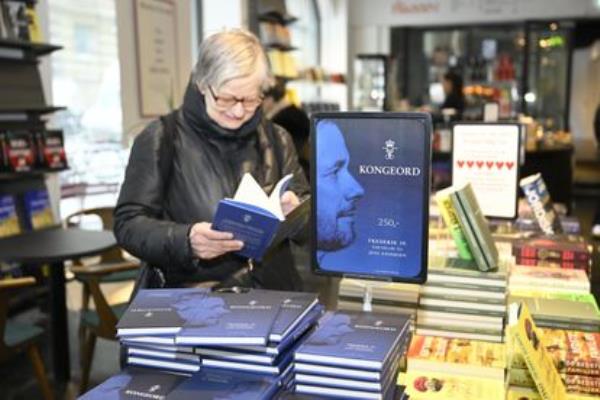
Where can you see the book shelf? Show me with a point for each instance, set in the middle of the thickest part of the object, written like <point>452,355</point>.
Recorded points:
<point>22,108</point>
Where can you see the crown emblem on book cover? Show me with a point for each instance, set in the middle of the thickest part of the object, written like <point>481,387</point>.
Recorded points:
<point>389,148</point>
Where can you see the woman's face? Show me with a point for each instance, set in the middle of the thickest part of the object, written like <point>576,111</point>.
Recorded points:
<point>235,102</point>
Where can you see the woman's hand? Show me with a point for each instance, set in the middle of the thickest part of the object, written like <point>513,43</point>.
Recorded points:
<point>289,201</point>
<point>207,243</point>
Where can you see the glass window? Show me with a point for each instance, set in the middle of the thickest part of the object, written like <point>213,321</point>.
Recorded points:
<point>86,79</point>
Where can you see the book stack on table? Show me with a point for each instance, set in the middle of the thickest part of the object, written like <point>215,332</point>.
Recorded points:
<point>557,251</point>
<point>451,368</point>
<point>352,355</point>
<point>462,302</point>
<point>576,356</point>
<point>186,330</point>
<point>146,383</point>
<point>387,297</point>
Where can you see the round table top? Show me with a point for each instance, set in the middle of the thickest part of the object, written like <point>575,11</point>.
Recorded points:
<point>55,244</point>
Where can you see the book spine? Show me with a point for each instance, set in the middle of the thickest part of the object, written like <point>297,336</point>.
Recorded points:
<point>470,234</point>
<point>450,218</point>
<point>535,252</point>
<point>538,198</point>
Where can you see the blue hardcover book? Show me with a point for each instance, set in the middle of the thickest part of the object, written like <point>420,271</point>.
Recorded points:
<point>163,311</point>
<point>272,348</point>
<point>38,210</point>
<point>355,340</point>
<point>221,319</point>
<point>182,366</point>
<point>252,216</point>
<point>293,309</point>
<point>166,354</point>
<point>9,219</point>
<point>226,385</point>
<point>371,194</point>
<point>136,383</point>
<point>278,369</point>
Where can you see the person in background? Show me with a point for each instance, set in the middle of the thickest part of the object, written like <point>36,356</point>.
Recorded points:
<point>293,119</point>
<point>220,134</point>
<point>453,89</point>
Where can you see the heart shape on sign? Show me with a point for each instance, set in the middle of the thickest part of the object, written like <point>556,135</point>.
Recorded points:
<point>499,164</point>
<point>460,163</point>
<point>479,164</point>
<point>469,164</point>
<point>510,164</point>
<point>489,164</point>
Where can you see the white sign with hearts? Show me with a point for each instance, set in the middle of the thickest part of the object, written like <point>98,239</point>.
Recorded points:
<point>487,155</point>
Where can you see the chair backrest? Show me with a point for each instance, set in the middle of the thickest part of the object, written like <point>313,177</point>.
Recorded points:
<point>104,215</point>
<point>6,286</point>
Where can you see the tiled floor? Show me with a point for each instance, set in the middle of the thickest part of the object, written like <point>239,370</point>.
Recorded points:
<point>16,376</point>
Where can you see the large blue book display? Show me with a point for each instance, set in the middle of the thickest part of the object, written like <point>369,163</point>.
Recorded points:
<point>371,194</point>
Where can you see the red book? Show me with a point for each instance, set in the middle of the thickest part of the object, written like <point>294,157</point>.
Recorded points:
<point>570,248</point>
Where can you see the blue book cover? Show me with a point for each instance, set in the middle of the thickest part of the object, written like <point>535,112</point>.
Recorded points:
<point>355,340</point>
<point>251,215</point>
<point>38,210</point>
<point>221,319</point>
<point>371,194</point>
<point>278,348</point>
<point>9,219</point>
<point>161,311</point>
<point>135,383</point>
<point>294,309</point>
<point>218,384</point>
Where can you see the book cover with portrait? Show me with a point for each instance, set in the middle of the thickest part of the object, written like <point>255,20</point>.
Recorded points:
<point>229,318</point>
<point>371,194</point>
<point>355,340</point>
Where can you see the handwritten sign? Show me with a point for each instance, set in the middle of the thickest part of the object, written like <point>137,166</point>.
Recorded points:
<point>487,155</point>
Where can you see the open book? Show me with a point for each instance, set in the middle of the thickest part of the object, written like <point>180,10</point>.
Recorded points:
<point>255,218</point>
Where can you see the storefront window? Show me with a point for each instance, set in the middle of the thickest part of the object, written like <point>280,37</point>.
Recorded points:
<point>86,80</point>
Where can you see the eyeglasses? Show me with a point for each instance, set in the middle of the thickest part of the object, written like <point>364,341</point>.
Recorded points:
<point>249,103</point>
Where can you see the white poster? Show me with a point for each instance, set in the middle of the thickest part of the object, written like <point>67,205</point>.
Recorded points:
<point>157,55</point>
<point>487,155</point>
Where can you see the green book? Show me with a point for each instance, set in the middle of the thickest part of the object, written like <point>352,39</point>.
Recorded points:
<point>474,227</point>
<point>448,213</point>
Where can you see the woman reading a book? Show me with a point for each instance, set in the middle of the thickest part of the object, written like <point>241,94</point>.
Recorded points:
<point>181,167</point>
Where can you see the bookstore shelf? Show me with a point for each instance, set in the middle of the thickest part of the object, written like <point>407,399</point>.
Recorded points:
<point>38,49</point>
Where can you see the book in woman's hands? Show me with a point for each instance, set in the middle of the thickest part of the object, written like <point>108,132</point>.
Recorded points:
<point>252,216</point>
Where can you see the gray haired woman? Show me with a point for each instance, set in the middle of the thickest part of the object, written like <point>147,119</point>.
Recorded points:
<point>180,167</point>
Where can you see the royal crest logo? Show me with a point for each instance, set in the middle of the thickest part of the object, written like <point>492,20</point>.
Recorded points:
<point>390,148</point>
<point>378,323</point>
<point>154,388</point>
<point>252,302</point>
<point>247,218</point>
<point>148,314</point>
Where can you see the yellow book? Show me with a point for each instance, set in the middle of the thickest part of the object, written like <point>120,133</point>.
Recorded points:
<point>461,356</point>
<point>527,341</point>
<point>35,31</point>
<point>9,220</point>
<point>425,385</point>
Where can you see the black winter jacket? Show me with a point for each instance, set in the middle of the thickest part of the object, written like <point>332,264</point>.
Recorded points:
<point>153,217</point>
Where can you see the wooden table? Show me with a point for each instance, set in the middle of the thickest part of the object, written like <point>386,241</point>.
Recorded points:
<point>54,246</point>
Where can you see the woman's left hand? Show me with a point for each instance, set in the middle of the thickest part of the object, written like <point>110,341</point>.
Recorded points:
<point>289,201</point>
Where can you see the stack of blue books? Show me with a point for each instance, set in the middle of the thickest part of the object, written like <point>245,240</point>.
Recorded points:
<point>184,330</point>
<point>142,383</point>
<point>352,355</point>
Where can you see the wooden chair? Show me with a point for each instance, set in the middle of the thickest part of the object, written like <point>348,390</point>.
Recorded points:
<point>111,267</point>
<point>16,337</point>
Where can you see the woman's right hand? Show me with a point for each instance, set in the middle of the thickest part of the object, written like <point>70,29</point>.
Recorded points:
<point>207,243</point>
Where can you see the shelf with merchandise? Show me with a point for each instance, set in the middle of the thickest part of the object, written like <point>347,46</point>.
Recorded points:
<point>21,48</point>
